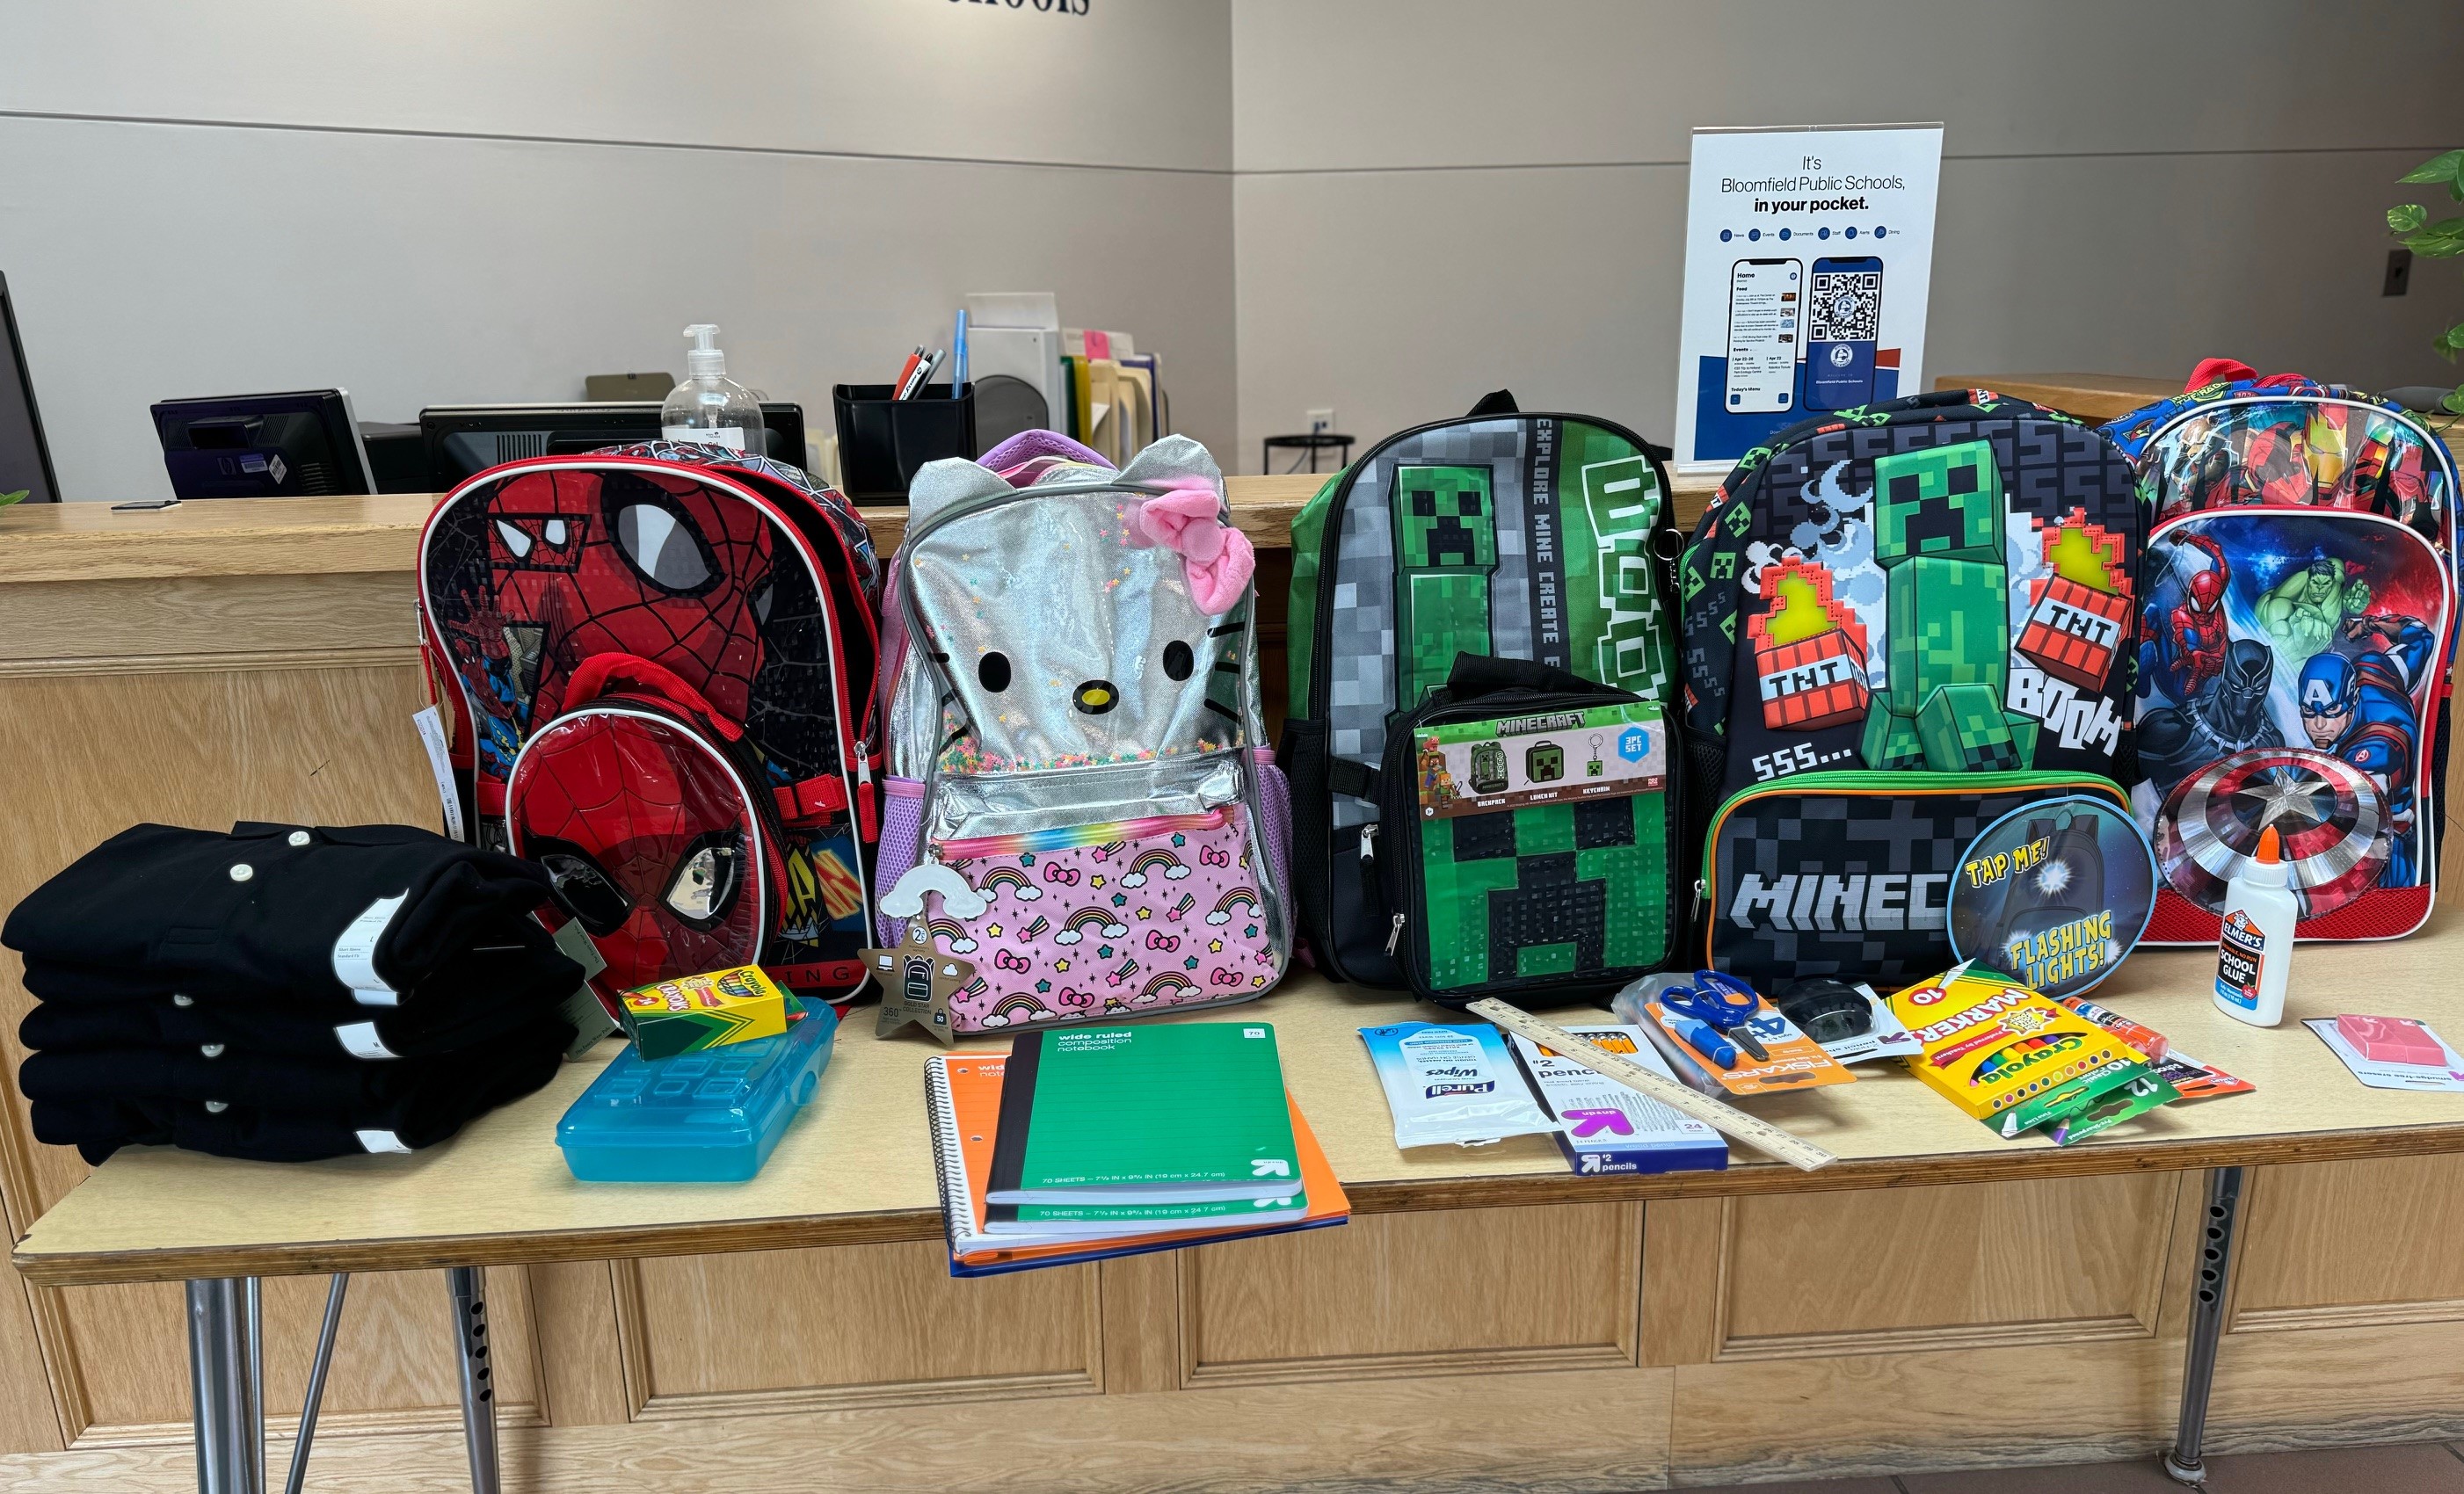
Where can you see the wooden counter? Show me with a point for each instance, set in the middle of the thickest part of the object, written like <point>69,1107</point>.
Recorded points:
<point>249,660</point>
<point>265,537</point>
<point>2096,398</point>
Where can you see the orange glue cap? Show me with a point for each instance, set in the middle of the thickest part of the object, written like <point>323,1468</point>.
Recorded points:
<point>2269,845</point>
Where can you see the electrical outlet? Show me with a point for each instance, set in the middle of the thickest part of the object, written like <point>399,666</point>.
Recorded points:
<point>1320,422</point>
<point>2399,272</point>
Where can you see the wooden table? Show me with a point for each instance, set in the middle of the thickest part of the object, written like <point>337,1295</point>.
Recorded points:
<point>857,1169</point>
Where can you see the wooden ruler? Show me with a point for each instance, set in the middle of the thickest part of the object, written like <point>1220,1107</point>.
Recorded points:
<point>1760,1135</point>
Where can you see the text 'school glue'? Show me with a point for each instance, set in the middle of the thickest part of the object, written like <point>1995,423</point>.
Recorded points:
<point>2255,952</point>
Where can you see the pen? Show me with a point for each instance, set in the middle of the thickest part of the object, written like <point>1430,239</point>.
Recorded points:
<point>905,371</point>
<point>959,354</point>
<point>1706,1040</point>
<point>923,374</point>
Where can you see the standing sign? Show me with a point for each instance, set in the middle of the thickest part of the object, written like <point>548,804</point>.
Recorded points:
<point>1808,256</point>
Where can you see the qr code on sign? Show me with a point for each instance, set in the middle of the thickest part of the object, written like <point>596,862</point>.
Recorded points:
<point>1847,306</point>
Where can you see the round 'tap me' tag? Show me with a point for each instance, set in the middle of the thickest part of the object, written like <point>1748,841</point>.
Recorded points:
<point>2053,893</point>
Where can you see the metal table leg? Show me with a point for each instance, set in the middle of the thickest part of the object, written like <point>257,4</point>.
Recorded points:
<point>226,1371</point>
<point>469,1286</point>
<point>315,1400</point>
<point>2207,1325</point>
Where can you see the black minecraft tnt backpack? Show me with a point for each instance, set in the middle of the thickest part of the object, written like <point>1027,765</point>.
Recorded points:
<point>1901,623</point>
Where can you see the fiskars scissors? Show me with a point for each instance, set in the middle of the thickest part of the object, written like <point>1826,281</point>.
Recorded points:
<point>1724,1001</point>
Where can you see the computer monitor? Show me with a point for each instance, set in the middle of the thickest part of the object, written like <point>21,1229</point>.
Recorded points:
<point>466,439</point>
<point>24,461</point>
<point>301,444</point>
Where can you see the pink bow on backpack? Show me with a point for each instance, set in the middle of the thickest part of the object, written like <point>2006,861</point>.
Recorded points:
<point>1216,559</point>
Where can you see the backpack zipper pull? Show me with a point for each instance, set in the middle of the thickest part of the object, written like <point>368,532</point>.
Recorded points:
<point>1394,936</point>
<point>1368,847</point>
<point>1701,894</point>
<point>868,815</point>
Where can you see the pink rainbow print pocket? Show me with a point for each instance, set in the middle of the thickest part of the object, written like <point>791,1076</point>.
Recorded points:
<point>1109,921</point>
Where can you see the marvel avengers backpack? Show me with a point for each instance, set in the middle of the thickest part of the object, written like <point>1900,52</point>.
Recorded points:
<point>1080,805</point>
<point>2298,625</point>
<point>1461,827</point>
<point>1901,623</point>
<point>660,662</point>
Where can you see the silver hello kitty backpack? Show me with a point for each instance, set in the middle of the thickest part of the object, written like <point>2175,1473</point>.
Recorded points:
<point>1079,803</point>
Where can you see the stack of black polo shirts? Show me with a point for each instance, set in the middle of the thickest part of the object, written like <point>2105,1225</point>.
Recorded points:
<point>285,992</point>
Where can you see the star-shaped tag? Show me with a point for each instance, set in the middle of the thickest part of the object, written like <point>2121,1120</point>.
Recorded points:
<point>916,981</point>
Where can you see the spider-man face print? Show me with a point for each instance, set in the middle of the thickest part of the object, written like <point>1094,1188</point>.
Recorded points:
<point>649,842</point>
<point>645,563</point>
<point>555,565</point>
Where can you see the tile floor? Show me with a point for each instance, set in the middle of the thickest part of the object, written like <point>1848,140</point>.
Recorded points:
<point>2398,1468</point>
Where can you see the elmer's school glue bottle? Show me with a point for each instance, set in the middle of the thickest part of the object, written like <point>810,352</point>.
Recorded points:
<point>2255,952</point>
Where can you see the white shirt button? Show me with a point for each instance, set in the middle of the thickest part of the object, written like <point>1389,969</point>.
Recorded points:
<point>215,1107</point>
<point>184,1000</point>
<point>242,872</point>
<point>211,1050</point>
<point>298,837</point>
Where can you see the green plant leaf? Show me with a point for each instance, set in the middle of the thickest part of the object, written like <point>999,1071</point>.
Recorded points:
<point>2455,401</point>
<point>2444,167</point>
<point>2440,240</point>
<point>18,497</point>
<point>2407,218</point>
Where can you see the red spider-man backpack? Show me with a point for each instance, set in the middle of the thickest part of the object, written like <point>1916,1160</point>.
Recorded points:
<point>660,662</point>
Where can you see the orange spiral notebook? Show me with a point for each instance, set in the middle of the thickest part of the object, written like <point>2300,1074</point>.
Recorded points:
<point>963,1098</point>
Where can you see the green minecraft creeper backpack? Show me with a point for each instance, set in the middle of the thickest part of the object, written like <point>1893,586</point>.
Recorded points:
<point>1483,675</point>
<point>1900,622</point>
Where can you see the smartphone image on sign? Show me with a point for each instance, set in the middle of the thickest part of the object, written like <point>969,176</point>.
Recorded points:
<point>1765,308</point>
<point>1844,322</point>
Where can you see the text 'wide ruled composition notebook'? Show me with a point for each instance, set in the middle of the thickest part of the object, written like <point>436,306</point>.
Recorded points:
<point>1185,1112</point>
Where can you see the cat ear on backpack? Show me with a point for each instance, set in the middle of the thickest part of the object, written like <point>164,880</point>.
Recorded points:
<point>953,479</point>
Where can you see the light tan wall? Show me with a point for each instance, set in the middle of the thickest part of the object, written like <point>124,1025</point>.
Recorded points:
<point>1440,197</point>
<point>454,203</point>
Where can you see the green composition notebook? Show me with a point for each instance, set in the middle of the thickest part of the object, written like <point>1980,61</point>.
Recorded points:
<point>1108,1220</point>
<point>1190,1113</point>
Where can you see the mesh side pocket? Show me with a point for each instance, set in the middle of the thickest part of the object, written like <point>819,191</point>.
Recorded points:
<point>1275,818</point>
<point>902,837</point>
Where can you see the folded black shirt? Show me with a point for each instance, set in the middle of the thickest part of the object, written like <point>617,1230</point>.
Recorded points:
<point>273,1082</point>
<point>515,961</point>
<point>375,1034</point>
<point>354,915</point>
<point>402,1123</point>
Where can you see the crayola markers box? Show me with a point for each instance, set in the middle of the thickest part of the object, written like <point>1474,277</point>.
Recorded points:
<point>690,1013</point>
<point>2017,1059</point>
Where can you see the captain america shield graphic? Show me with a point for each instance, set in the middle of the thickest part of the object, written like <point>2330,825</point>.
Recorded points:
<point>2328,815</point>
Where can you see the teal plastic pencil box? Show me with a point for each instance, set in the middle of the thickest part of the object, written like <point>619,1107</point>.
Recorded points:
<point>712,1117</point>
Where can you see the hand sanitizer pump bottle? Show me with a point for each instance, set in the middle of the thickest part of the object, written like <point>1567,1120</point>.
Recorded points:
<point>709,406</point>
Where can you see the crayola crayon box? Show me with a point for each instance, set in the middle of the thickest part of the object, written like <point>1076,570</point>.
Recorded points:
<point>690,1013</point>
<point>2017,1060</point>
